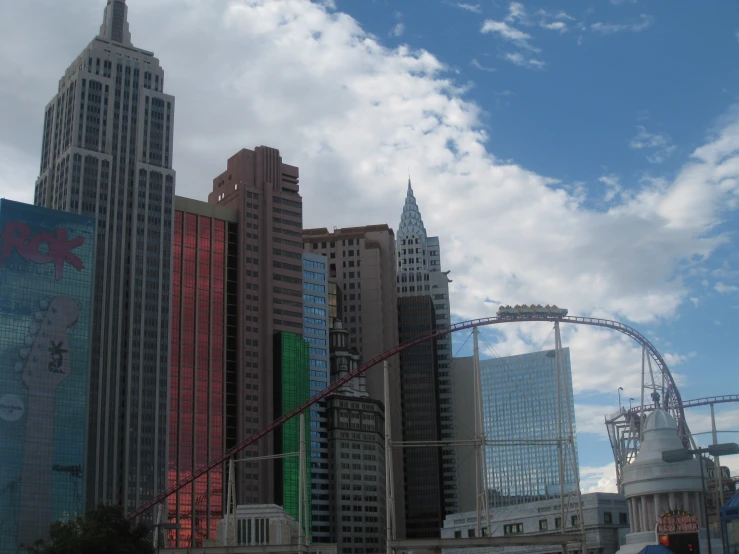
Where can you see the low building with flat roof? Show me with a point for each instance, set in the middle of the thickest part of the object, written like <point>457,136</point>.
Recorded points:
<point>604,515</point>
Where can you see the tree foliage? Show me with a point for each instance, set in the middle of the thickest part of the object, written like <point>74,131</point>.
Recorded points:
<point>103,530</point>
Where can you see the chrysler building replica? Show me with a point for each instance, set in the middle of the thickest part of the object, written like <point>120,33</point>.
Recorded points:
<point>419,274</point>
<point>107,153</point>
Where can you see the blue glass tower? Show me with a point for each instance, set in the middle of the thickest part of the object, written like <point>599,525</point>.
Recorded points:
<point>315,333</point>
<point>46,279</point>
<point>519,395</point>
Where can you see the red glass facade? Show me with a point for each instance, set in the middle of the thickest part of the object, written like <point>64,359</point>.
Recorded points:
<point>198,407</point>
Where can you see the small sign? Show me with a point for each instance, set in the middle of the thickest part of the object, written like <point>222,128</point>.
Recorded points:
<point>677,521</point>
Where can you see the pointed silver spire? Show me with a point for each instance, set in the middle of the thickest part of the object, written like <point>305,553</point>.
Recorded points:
<point>115,23</point>
<point>411,222</point>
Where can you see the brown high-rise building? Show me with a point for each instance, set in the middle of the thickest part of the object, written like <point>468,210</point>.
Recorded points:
<point>361,261</point>
<point>264,191</point>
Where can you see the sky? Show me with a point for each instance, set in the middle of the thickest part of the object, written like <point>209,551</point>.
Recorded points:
<point>583,153</point>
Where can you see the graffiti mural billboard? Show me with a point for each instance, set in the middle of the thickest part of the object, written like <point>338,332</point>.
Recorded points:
<point>46,285</point>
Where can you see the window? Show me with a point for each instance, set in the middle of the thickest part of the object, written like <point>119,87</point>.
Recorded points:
<point>622,519</point>
<point>314,275</point>
<point>513,528</point>
<point>457,534</point>
<point>607,517</point>
<point>311,263</point>
<point>543,525</point>
<point>471,533</point>
<point>558,522</point>
<point>575,521</point>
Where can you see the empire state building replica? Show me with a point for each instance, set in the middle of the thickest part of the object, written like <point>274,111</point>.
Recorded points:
<point>107,153</point>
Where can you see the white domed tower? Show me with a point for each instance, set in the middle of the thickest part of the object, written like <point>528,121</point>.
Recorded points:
<point>653,487</point>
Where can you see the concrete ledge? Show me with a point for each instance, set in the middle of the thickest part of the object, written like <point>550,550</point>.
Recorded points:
<point>479,542</point>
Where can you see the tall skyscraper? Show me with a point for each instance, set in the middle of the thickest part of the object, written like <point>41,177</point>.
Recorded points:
<point>520,402</point>
<point>46,279</point>
<point>315,333</point>
<point>361,262</point>
<point>419,273</point>
<point>202,405</point>
<point>107,152</point>
<point>264,191</point>
<point>419,381</point>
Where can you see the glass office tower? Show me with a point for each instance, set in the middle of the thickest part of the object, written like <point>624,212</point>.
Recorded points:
<point>46,279</point>
<point>315,332</point>
<point>202,392</point>
<point>520,402</point>
<point>291,356</point>
<point>419,380</point>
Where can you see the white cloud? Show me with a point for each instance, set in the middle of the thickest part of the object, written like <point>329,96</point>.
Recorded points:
<point>674,359</point>
<point>17,167</point>
<point>516,12</point>
<point>613,186</point>
<point>505,31</point>
<point>598,479</point>
<point>560,26</point>
<point>659,144</point>
<point>695,301</point>
<point>476,64</point>
<point>558,21</point>
<point>398,30</point>
<point>553,21</point>
<point>522,60</point>
<point>723,288</point>
<point>590,418</point>
<point>475,8</point>
<point>645,21</point>
<point>522,56</point>
<point>352,114</point>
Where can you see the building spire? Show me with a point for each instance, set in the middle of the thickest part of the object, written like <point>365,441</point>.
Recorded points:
<point>115,23</point>
<point>411,222</point>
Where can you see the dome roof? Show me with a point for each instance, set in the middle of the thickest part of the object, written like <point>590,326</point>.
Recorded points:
<point>658,420</point>
<point>660,435</point>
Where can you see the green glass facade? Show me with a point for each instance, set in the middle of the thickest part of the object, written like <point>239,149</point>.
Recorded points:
<point>46,283</point>
<point>292,388</point>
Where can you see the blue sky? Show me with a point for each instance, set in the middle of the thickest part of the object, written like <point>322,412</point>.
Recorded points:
<point>624,91</point>
<point>583,153</point>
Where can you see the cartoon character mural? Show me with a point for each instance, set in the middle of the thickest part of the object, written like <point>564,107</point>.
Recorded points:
<point>46,286</point>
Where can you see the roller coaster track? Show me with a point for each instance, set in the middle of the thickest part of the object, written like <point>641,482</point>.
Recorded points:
<point>694,403</point>
<point>671,396</point>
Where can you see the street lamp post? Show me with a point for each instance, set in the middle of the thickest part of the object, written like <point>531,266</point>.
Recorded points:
<point>683,454</point>
<point>619,398</point>
<point>630,401</point>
